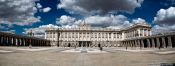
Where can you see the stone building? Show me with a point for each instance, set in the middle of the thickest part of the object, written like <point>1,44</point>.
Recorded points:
<point>9,39</point>
<point>86,36</point>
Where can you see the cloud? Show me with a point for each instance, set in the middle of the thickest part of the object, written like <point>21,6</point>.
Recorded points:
<point>165,18</point>
<point>47,9</point>
<point>99,6</point>
<point>138,20</point>
<point>39,31</point>
<point>162,29</point>
<point>10,31</point>
<point>65,20</point>
<point>18,12</point>
<point>118,21</point>
<point>98,13</point>
<point>38,5</point>
<point>108,21</point>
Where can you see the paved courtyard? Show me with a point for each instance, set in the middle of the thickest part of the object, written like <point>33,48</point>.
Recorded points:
<point>54,56</point>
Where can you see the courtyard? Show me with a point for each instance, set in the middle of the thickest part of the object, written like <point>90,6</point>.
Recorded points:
<point>56,56</point>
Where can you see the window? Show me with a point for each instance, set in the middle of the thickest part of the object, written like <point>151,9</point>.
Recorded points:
<point>114,35</point>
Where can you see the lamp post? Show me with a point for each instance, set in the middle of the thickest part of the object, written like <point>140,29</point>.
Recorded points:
<point>30,34</point>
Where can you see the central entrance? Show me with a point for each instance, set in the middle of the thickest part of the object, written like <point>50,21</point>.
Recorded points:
<point>85,43</point>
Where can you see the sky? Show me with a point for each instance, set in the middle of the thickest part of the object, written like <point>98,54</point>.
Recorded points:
<point>22,16</point>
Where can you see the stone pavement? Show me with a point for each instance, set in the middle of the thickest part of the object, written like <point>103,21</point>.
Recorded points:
<point>143,50</point>
<point>85,50</point>
<point>54,56</point>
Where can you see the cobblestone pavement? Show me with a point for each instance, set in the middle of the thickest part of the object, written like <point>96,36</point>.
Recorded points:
<point>57,57</point>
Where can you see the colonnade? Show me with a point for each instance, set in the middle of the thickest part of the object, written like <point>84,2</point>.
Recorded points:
<point>151,42</point>
<point>7,39</point>
<point>88,43</point>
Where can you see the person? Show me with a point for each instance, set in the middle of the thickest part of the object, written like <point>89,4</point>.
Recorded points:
<point>101,48</point>
<point>159,47</point>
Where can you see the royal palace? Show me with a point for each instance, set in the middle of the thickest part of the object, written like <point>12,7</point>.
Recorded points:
<point>86,36</point>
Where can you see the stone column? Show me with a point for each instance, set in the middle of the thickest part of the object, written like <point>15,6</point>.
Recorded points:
<point>123,35</point>
<point>12,41</point>
<point>16,41</point>
<point>129,45</point>
<point>20,41</point>
<point>153,42</point>
<point>124,44</point>
<point>148,42</point>
<point>133,44</point>
<point>6,41</point>
<point>1,38</point>
<point>143,32</point>
<point>139,43</point>
<point>147,32</point>
<point>52,36</point>
<point>23,41</point>
<point>142,43</point>
<point>133,33</point>
<point>169,42</point>
<point>45,35</point>
<point>139,32</point>
<point>136,45</point>
<point>150,33</point>
<point>129,42</point>
<point>158,42</point>
<point>163,42</point>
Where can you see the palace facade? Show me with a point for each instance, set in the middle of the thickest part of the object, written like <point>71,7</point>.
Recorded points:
<point>87,36</point>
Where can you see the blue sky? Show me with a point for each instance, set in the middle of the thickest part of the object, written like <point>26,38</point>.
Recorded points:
<point>57,13</point>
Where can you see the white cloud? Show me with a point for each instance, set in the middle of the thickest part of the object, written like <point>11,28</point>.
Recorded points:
<point>118,21</point>
<point>107,21</point>
<point>162,29</point>
<point>85,7</point>
<point>47,9</point>
<point>65,20</point>
<point>39,31</point>
<point>38,5</point>
<point>10,31</point>
<point>165,18</point>
<point>19,12</point>
<point>98,13</point>
<point>165,27</point>
<point>138,20</point>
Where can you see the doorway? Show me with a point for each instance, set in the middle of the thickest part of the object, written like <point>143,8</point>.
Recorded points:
<point>85,43</point>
